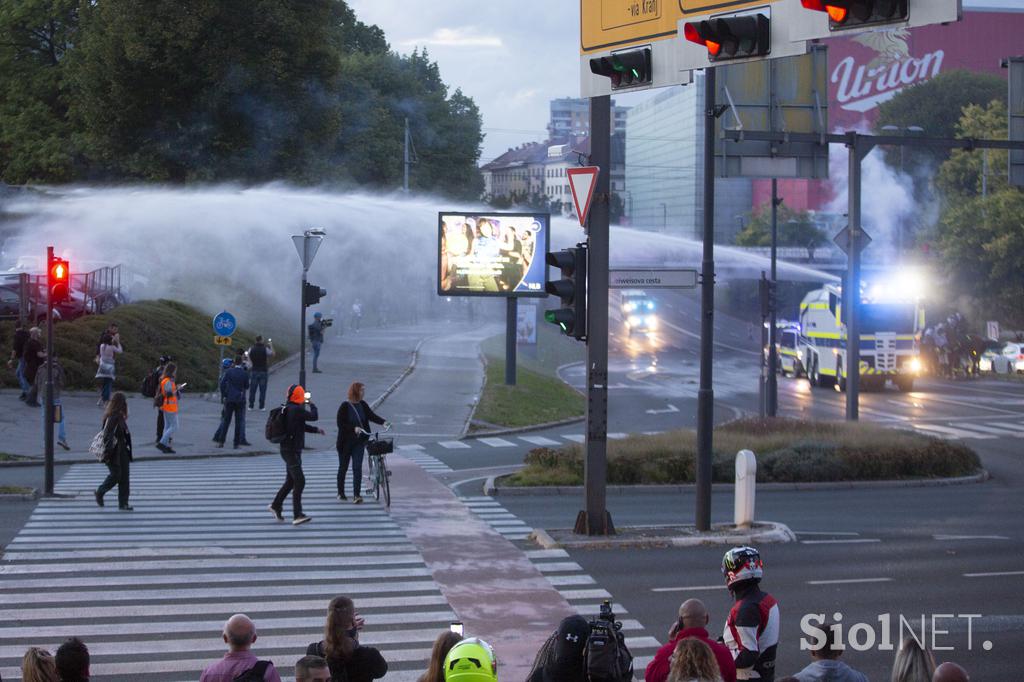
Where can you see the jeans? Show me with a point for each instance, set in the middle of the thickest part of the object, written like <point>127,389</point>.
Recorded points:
<point>238,411</point>
<point>105,385</point>
<point>258,380</point>
<point>170,426</point>
<point>294,482</point>
<point>61,435</point>
<point>118,466</point>
<point>351,450</point>
<point>20,373</point>
<point>316,352</point>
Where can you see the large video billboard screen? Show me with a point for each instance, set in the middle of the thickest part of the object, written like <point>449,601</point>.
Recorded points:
<point>492,254</point>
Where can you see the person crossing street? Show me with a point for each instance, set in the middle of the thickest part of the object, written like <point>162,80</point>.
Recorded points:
<point>296,414</point>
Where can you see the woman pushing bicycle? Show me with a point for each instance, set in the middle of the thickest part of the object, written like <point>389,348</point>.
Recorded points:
<point>354,417</point>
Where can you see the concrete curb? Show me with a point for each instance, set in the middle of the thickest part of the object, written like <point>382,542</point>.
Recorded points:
<point>401,377</point>
<point>767,532</point>
<point>524,429</point>
<point>20,497</point>
<point>491,488</point>
<point>480,391</point>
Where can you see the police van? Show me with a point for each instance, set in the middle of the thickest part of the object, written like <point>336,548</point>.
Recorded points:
<point>890,324</point>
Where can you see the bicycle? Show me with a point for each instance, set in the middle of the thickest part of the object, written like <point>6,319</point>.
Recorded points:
<point>380,476</point>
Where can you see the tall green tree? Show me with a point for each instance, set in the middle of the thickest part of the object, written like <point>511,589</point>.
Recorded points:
<point>936,106</point>
<point>967,173</point>
<point>35,38</point>
<point>795,228</point>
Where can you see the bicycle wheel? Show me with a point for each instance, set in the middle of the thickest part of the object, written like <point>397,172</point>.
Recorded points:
<point>374,477</point>
<point>386,483</point>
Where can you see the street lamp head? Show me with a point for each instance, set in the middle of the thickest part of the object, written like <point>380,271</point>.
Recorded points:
<point>890,129</point>
<point>915,129</point>
<point>316,232</point>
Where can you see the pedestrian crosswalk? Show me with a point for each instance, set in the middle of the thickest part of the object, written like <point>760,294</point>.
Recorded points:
<point>149,590</point>
<point>568,577</point>
<point>429,463</point>
<point>970,430</point>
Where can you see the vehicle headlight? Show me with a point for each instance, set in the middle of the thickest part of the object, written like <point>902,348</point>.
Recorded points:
<point>650,305</point>
<point>629,307</point>
<point>652,322</point>
<point>634,320</point>
<point>914,365</point>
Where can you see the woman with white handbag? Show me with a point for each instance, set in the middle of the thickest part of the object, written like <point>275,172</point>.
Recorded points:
<point>109,346</point>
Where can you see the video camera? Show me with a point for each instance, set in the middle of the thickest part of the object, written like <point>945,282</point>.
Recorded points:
<point>607,614</point>
<point>328,321</point>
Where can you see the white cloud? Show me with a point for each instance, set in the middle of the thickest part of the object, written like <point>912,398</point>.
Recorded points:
<point>464,36</point>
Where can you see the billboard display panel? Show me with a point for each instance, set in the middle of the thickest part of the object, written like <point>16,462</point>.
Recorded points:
<point>492,254</point>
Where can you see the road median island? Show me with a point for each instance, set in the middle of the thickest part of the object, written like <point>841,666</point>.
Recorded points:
<point>537,398</point>
<point>788,451</point>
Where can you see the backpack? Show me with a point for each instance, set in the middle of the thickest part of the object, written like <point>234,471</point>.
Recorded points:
<point>606,655</point>
<point>277,425</point>
<point>257,673</point>
<point>150,384</point>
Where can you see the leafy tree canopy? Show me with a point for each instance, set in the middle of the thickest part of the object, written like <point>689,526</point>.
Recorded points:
<point>795,228</point>
<point>965,173</point>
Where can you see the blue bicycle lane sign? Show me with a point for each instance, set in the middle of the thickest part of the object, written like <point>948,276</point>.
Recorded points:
<point>224,324</point>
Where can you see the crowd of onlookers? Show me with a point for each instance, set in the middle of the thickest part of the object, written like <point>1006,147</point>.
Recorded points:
<point>746,650</point>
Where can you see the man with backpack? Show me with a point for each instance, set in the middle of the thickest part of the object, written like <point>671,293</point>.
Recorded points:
<point>150,385</point>
<point>239,663</point>
<point>259,355</point>
<point>287,427</point>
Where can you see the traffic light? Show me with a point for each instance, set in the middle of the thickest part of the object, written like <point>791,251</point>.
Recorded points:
<point>312,294</point>
<point>625,69</point>
<point>59,280</point>
<point>844,14</point>
<point>736,37</point>
<point>766,291</point>
<point>572,289</point>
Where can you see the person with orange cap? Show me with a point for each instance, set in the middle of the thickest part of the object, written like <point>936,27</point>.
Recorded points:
<point>296,414</point>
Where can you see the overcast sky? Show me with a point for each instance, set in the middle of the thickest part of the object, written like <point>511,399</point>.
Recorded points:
<point>511,56</point>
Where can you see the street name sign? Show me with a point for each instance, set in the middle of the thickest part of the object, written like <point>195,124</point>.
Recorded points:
<point>582,182</point>
<point>654,278</point>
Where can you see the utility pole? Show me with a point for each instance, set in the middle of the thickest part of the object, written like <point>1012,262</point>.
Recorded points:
<point>405,182</point>
<point>307,244</point>
<point>706,394</point>
<point>48,405</point>
<point>595,519</point>
<point>851,292</point>
<point>772,384</point>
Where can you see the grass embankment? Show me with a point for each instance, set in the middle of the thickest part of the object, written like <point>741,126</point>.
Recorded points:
<point>787,451</point>
<point>148,330</point>
<point>538,396</point>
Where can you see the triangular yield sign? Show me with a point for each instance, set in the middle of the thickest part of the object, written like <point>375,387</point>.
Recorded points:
<point>582,182</point>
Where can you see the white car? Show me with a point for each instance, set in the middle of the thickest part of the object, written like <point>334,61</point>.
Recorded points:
<point>1008,360</point>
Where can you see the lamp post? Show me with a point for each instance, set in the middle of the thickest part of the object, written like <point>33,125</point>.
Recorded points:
<point>307,244</point>
<point>898,130</point>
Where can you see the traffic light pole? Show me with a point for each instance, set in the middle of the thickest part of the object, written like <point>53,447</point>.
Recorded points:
<point>595,519</point>
<point>302,330</point>
<point>48,398</point>
<point>851,297</point>
<point>706,394</point>
<point>772,384</point>
<point>511,323</point>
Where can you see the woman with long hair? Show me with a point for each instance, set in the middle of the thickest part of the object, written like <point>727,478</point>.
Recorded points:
<point>693,661</point>
<point>117,450</point>
<point>38,666</point>
<point>354,417</point>
<point>913,663</point>
<point>346,657</point>
<point>110,345</point>
<point>167,397</point>
<point>442,645</point>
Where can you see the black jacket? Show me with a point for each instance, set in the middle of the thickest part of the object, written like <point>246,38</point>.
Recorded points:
<point>295,417</point>
<point>348,420</point>
<point>117,439</point>
<point>366,665</point>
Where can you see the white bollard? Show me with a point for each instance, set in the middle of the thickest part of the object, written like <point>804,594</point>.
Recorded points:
<point>746,479</point>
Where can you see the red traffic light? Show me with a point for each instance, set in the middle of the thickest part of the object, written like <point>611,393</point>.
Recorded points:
<point>735,37</point>
<point>60,278</point>
<point>855,13</point>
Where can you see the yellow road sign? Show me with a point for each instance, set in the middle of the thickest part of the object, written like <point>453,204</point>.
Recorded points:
<point>613,24</point>
<point>222,340</point>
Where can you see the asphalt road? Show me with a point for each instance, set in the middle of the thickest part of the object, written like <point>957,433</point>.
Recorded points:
<point>862,553</point>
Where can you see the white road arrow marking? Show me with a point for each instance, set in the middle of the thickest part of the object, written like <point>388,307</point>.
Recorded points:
<point>669,410</point>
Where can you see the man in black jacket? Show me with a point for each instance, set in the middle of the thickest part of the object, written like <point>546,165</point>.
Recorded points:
<point>259,356</point>
<point>296,428</point>
<point>233,386</point>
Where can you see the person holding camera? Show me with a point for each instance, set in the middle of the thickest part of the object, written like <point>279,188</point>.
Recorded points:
<point>259,356</point>
<point>354,417</point>
<point>316,336</point>
<point>296,414</point>
<point>692,622</point>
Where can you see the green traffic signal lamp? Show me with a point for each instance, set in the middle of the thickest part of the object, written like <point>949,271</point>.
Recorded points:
<point>625,69</point>
<point>571,290</point>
